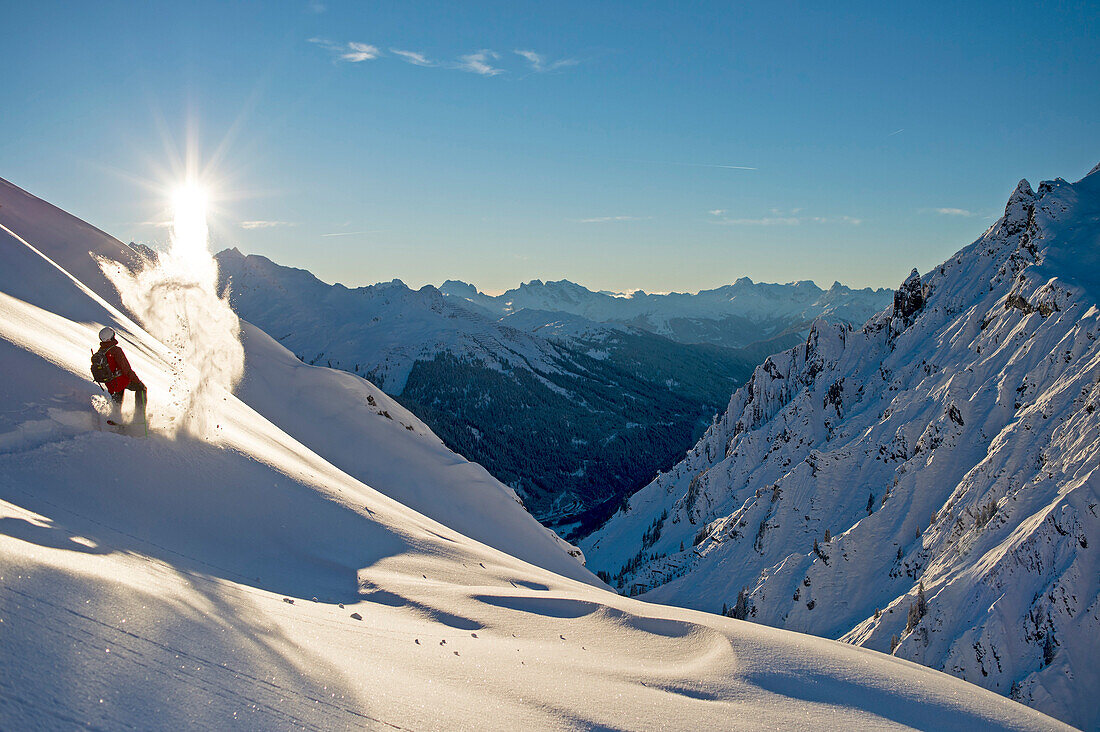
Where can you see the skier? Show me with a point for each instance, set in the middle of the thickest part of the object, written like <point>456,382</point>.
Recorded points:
<point>110,367</point>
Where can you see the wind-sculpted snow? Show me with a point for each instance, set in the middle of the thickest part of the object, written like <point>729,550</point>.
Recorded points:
<point>926,485</point>
<point>257,582</point>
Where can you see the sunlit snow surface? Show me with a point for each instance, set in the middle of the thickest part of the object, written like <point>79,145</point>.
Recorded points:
<point>187,583</point>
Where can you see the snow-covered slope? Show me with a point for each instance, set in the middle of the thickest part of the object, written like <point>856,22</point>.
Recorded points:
<point>66,239</point>
<point>952,442</point>
<point>736,315</point>
<point>241,580</point>
<point>564,326</point>
<point>358,428</point>
<point>378,331</point>
<point>340,412</point>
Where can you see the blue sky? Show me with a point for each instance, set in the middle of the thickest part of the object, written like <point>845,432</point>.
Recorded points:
<point>662,146</point>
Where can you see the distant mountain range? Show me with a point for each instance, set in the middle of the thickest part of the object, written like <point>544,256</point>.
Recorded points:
<point>926,485</point>
<point>571,405</point>
<point>735,316</point>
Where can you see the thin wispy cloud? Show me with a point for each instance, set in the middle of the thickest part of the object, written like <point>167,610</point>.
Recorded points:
<point>357,52</point>
<point>896,132</point>
<point>264,224</point>
<point>610,219</point>
<point>348,233</point>
<point>717,212</point>
<point>157,224</point>
<point>412,57</point>
<point>479,63</point>
<point>485,62</point>
<point>539,64</point>
<point>352,52</point>
<point>954,212</point>
<point>316,7</point>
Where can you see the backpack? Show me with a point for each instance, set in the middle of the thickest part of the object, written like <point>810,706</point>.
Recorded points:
<point>101,371</point>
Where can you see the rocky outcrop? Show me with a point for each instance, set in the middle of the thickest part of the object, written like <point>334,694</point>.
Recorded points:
<point>908,298</point>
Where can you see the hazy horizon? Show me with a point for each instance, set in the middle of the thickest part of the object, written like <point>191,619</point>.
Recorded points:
<point>615,293</point>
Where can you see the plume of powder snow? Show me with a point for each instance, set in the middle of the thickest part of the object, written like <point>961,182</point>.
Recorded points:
<point>175,299</point>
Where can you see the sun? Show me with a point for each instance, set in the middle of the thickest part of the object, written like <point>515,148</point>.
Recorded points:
<point>189,204</point>
<point>189,200</point>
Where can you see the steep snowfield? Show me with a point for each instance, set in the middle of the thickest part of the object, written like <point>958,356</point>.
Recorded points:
<point>337,411</point>
<point>382,329</point>
<point>357,428</point>
<point>952,441</point>
<point>245,581</point>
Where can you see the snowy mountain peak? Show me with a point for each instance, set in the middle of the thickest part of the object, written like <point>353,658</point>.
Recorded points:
<point>568,292</point>
<point>1018,208</point>
<point>924,485</point>
<point>457,288</point>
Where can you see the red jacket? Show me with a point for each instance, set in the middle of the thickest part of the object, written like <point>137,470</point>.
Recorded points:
<point>116,361</point>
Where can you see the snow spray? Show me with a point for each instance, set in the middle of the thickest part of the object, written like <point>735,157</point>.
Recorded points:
<point>175,299</point>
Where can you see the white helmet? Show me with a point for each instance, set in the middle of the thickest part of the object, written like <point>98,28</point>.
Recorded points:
<point>107,334</point>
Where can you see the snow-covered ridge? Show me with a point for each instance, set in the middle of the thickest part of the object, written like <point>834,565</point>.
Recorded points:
<point>943,457</point>
<point>253,580</point>
<point>429,323</point>
<point>542,399</point>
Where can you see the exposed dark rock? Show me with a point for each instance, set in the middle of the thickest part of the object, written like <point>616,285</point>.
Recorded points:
<point>908,298</point>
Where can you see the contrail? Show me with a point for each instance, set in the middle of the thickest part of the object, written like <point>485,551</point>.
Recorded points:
<point>691,165</point>
<point>715,165</point>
